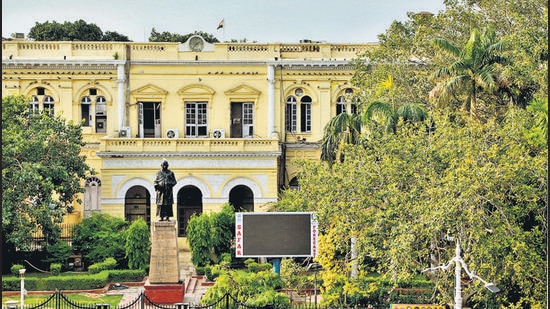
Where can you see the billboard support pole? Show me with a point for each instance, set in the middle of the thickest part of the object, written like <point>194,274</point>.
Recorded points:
<point>277,266</point>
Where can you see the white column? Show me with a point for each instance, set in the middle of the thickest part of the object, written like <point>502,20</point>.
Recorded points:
<point>271,100</point>
<point>121,95</point>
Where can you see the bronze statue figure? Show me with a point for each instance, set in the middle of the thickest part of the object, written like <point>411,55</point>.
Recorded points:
<point>164,182</point>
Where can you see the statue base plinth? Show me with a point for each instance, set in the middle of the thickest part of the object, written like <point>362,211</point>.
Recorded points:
<point>164,293</point>
<point>164,265</point>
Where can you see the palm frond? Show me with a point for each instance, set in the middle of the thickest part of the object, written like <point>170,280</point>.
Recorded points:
<point>446,46</point>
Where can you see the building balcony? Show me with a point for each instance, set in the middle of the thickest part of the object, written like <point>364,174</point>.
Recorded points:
<point>188,146</point>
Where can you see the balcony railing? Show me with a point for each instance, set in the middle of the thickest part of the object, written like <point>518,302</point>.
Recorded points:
<point>189,145</point>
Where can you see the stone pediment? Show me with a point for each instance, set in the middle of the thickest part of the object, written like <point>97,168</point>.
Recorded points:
<point>196,91</point>
<point>149,91</point>
<point>243,92</point>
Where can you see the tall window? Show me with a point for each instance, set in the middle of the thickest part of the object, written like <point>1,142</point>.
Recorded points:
<point>92,195</point>
<point>34,105</point>
<point>85,104</point>
<point>100,105</point>
<point>305,114</point>
<point>248,119</point>
<point>342,102</point>
<point>49,105</point>
<point>196,119</point>
<point>290,114</point>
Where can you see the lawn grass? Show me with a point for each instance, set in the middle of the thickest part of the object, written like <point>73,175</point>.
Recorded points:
<point>80,298</point>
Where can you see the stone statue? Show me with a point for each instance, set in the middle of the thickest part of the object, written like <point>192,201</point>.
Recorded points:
<point>164,182</point>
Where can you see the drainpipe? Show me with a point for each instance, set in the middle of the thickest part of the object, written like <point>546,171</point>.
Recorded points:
<point>271,100</point>
<point>121,95</point>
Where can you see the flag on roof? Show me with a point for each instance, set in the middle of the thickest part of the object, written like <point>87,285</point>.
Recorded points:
<point>220,24</point>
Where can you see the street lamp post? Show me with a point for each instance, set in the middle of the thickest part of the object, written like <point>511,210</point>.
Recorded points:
<point>315,267</point>
<point>22,276</point>
<point>459,264</point>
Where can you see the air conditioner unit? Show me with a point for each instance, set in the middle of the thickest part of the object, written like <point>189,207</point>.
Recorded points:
<point>125,132</point>
<point>248,130</point>
<point>172,133</point>
<point>218,133</point>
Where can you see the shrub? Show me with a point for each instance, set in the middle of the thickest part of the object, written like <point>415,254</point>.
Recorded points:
<point>55,269</point>
<point>73,281</point>
<point>58,253</point>
<point>138,244</point>
<point>107,264</point>
<point>99,237</point>
<point>210,235</point>
<point>15,269</point>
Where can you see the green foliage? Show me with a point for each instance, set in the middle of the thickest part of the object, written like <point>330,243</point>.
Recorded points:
<point>254,289</point>
<point>58,253</point>
<point>72,31</point>
<point>55,269</point>
<point>62,282</point>
<point>211,235</point>
<point>41,172</point>
<point>107,264</point>
<point>166,36</point>
<point>99,237</point>
<point>138,244</point>
<point>484,184</point>
<point>73,281</point>
<point>14,269</point>
<point>473,72</point>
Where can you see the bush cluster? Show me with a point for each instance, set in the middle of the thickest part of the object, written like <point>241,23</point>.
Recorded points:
<point>73,282</point>
<point>107,264</point>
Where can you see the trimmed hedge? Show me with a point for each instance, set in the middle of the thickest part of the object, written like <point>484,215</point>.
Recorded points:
<point>73,282</point>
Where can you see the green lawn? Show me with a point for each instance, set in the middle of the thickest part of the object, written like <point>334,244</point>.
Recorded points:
<point>81,298</point>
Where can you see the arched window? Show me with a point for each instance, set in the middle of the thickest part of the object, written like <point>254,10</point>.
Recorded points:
<point>49,105</point>
<point>305,114</point>
<point>34,105</point>
<point>92,196</point>
<point>290,114</point>
<point>343,100</point>
<point>85,104</point>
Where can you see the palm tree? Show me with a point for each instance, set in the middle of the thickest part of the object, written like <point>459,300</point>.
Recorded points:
<point>345,128</point>
<point>473,71</point>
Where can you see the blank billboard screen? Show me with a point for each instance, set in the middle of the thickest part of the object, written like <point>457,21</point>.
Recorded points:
<point>287,234</point>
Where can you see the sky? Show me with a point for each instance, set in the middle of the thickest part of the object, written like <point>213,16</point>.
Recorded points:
<point>274,21</point>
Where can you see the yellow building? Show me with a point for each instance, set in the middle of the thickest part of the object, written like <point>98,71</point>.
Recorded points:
<point>229,117</point>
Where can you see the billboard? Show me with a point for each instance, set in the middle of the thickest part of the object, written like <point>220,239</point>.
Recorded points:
<point>275,234</point>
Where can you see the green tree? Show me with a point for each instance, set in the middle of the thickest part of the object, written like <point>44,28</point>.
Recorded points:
<point>255,289</point>
<point>41,173</point>
<point>78,30</point>
<point>484,184</point>
<point>210,235</point>
<point>138,244</point>
<point>166,36</point>
<point>99,237</point>
<point>114,36</point>
<point>475,69</point>
<point>377,117</point>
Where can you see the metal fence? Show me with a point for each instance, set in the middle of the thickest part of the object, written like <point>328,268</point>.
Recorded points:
<point>59,301</point>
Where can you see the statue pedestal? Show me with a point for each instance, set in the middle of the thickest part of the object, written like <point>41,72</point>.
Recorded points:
<point>163,285</point>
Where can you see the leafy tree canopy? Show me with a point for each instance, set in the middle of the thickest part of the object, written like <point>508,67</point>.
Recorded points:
<point>102,236</point>
<point>72,31</point>
<point>42,171</point>
<point>522,26</point>
<point>402,194</point>
<point>166,36</point>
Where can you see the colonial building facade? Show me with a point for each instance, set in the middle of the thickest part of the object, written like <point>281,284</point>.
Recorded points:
<point>230,118</point>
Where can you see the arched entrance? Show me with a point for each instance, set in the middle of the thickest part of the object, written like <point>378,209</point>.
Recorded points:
<point>189,203</point>
<point>137,203</point>
<point>242,198</point>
